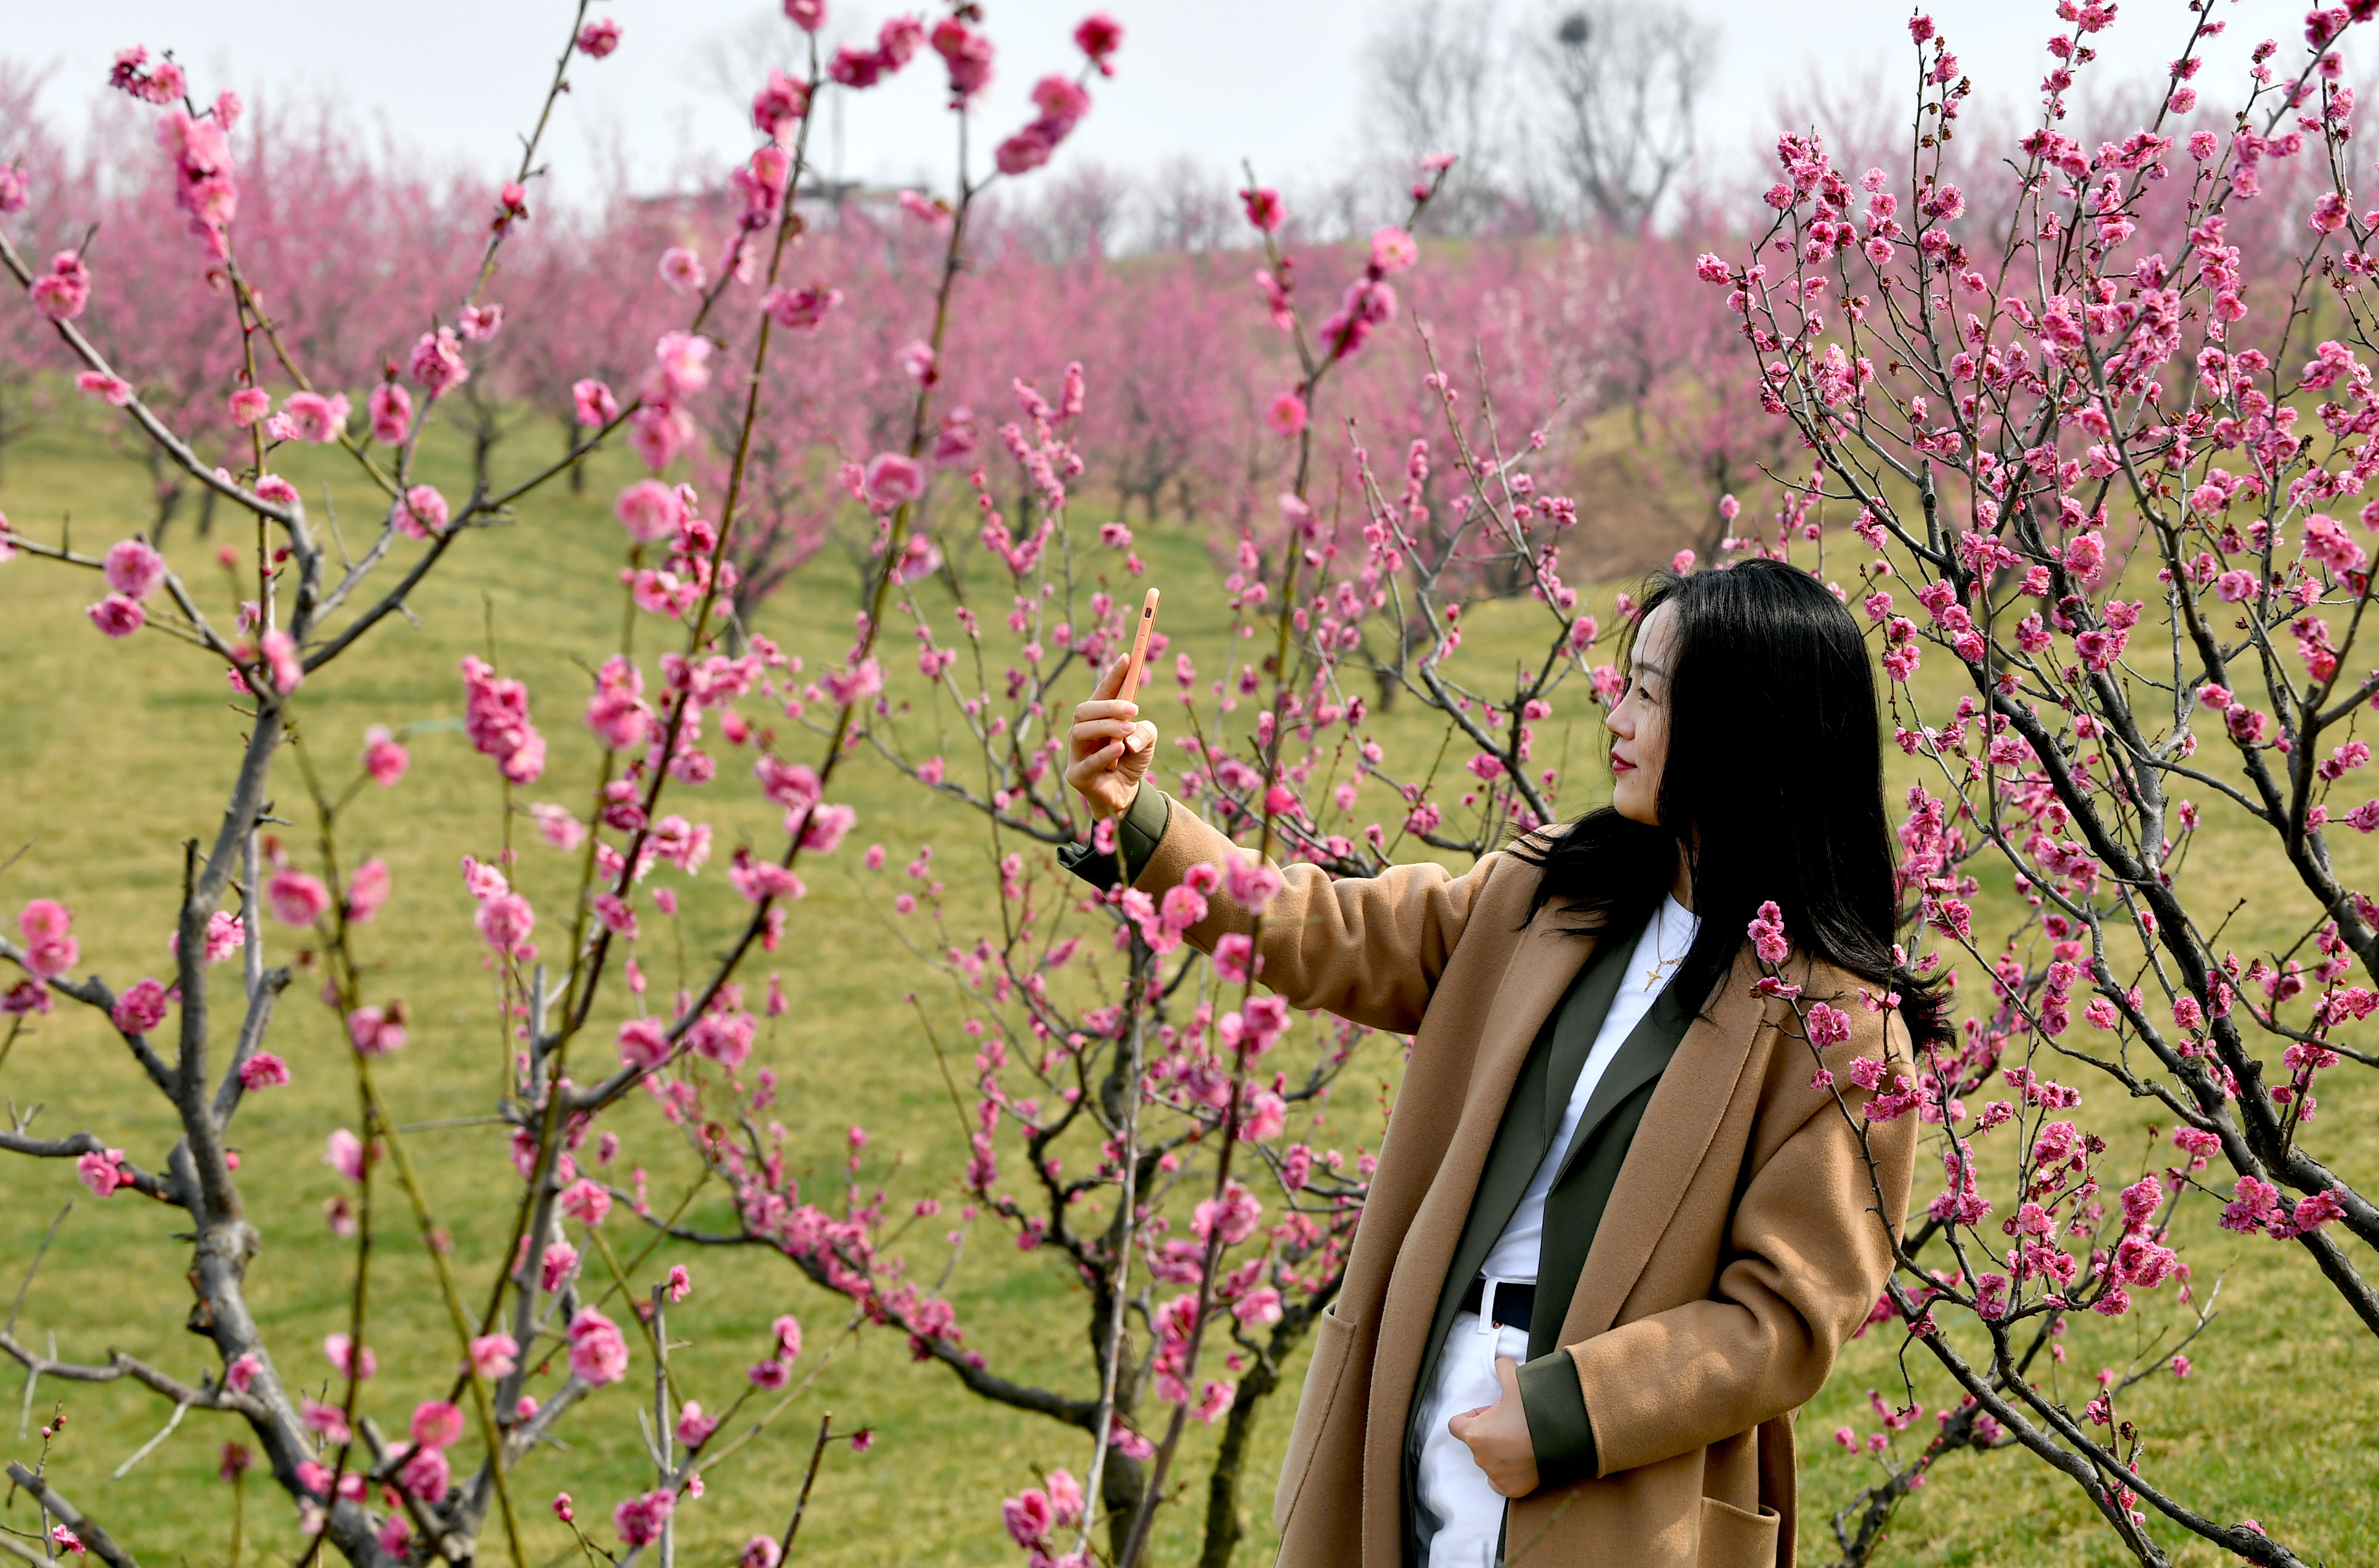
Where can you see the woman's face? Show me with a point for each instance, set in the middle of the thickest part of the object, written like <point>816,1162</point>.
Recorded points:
<point>1639,723</point>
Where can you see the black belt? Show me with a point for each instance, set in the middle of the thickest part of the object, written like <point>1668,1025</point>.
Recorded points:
<point>1514,1303</point>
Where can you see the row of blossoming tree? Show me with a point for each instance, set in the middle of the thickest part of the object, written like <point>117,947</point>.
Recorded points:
<point>1180,428</point>
<point>1140,1115</point>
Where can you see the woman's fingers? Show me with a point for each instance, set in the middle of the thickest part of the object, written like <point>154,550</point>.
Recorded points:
<point>1111,745</point>
<point>1091,764</point>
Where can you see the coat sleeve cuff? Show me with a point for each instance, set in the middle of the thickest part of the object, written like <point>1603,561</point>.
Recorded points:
<point>1558,1428</point>
<point>1137,832</point>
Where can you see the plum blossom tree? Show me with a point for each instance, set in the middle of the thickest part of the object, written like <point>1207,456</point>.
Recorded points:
<point>535,1338</point>
<point>2073,438</point>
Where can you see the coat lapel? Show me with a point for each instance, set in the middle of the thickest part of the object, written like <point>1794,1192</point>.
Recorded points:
<point>1575,1029</point>
<point>1640,1058</point>
<point>1544,960</point>
<point>1692,1100</point>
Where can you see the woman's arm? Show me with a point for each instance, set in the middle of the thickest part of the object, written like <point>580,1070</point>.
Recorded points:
<point>1366,948</point>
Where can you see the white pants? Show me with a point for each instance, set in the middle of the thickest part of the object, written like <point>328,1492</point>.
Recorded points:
<point>1454,1489</point>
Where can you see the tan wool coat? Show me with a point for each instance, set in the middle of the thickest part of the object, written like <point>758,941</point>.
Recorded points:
<point>1741,1244</point>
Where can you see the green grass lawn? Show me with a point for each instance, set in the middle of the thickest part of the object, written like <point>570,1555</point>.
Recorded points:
<point>117,753</point>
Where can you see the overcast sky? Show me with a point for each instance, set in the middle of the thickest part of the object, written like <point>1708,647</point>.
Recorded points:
<point>1280,81</point>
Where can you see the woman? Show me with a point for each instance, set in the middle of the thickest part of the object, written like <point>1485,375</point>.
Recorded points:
<point>1618,1227</point>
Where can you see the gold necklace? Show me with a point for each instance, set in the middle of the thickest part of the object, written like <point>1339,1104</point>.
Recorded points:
<point>1660,960</point>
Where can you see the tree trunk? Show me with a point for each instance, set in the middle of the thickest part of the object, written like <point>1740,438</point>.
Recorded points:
<point>1224,1526</point>
<point>165,489</point>
<point>569,442</point>
<point>1120,1489</point>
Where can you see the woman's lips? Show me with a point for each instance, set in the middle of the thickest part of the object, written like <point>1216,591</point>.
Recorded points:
<point>1621,765</point>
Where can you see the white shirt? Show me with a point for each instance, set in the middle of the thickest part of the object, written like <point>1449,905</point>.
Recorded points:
<point>1658,953</point>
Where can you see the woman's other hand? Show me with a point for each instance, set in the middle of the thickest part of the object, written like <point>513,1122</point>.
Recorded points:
<point>1498,1435</point>
<point>1111,746</point>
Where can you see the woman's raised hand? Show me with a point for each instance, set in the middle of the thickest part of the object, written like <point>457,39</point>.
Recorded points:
<point>1113,746</point>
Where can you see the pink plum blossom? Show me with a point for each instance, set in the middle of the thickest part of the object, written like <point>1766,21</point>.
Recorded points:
<point>420,513</point>
<point>1098,37</point>
<point>644,1044</point>
<point>639,1520</point>
<point>296,897</point>
<point>339,1350</point>
<point>367,891</point>
<point>597,39</point>
<point>62,292</point>
<point>436,361</point>
<point>683,361</point>
<point>1286,414</point>
<point>1393,250</point>
<point>651,510</point>
<point>315,417</point>
<point>437,1423</point>
<point>134,569</point>
<point>50,946</point>
<point>1249,883</point>
<point>280,652</point>
<point>117,616</point>
<point>141,1008</point>
<point>506,921</point>
<point>682,269</point>
<point>586,1202</point>
<point>799,309</point>
<point>494,1355</point>
<point>344,1152</point>
<point>893,481</point>
<point>593,403</point>
<point>376,1031</point>
<point>102,1172</point>
<point>495,716</point>
<point>778,105</point>
<point>598,1354</point>
<point>390,409</point>
<point>426,1473</point>
<point>385,759</point>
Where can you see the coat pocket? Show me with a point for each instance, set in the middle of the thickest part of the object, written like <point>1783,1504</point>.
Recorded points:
<point>1732,1539</point>
<point>1334,1344</point>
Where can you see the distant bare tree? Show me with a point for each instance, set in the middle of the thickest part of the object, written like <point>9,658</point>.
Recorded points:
<point>1440,75</point>
<point>1621,83</point>
<point>1187,207</point>
<point>1078,214</point>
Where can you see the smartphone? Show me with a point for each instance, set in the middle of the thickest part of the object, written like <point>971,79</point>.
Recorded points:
<point>1129,690</point>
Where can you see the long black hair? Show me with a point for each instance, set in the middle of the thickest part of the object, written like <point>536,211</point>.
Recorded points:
<point>1772,786</point>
